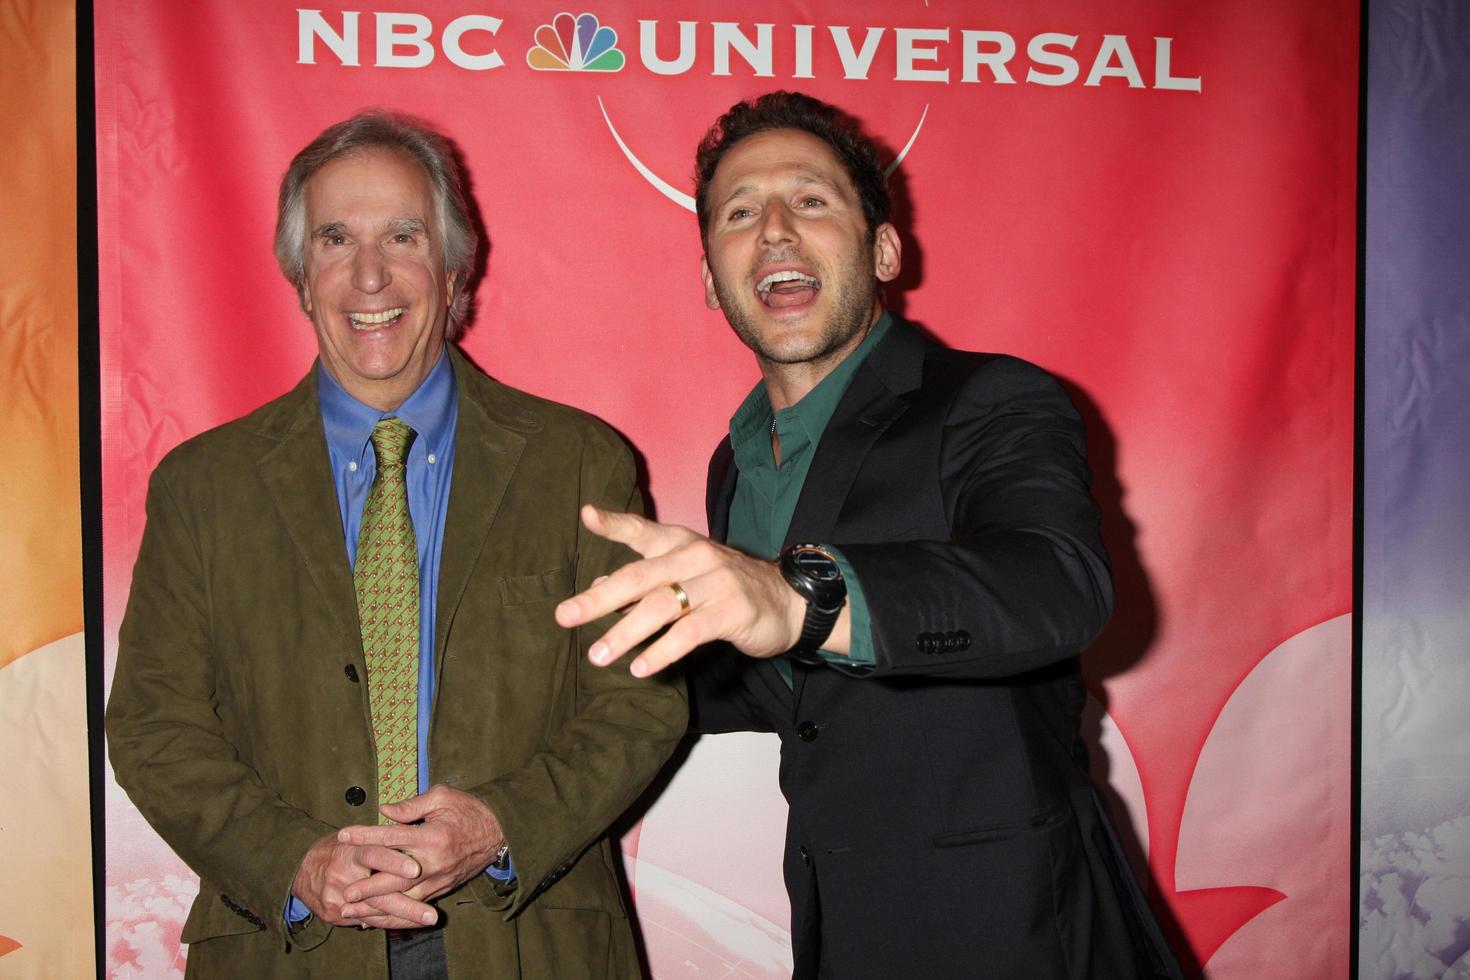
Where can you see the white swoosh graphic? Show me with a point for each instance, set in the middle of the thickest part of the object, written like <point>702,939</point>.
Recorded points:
<point>662,186</point>
<point>888,171</point>
<point>686,201</point>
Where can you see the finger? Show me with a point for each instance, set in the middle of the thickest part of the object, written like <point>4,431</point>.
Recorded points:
<point>396,905</point>
<point>381,922</point>
<point>382,883</point>
<point>678,641</point>
<point>378,858</point>
<point>628,585</point>
<point>649,538</point>
<point>408,811</point>
<point>653,612</point>
<point>386,835</point>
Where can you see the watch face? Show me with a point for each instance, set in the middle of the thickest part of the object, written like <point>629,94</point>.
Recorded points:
<point>816,564</point>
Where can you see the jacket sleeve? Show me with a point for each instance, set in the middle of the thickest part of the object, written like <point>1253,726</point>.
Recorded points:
<point>168,748</point>
<point>564,798</point>
<point>1023,579</point>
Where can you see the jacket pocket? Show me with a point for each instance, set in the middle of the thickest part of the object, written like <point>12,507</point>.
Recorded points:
<point>519,590</point>
<point>981,835</point>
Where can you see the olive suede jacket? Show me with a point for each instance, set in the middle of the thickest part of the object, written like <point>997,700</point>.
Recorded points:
<point>237,724</point>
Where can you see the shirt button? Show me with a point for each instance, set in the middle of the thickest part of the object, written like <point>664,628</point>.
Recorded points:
<point>433,458</point>
<point>806,731</point>
<point>352,466</point>
<point>355,796</point>
<point>351,673</point>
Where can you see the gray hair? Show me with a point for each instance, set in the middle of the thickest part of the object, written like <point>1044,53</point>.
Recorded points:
<point>376,128</point>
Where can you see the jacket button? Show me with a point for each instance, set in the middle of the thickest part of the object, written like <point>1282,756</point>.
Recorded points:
<point>806,857</point>
<point>806,731</point>
<point>356,796</point>
<point>964,638</point>
<point>351,673</point>
<point>921,643</point>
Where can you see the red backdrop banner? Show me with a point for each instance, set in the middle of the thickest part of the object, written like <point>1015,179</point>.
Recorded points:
<point>1153,200</point>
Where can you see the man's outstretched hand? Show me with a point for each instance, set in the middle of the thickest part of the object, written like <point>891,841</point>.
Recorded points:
<point>732,596</point>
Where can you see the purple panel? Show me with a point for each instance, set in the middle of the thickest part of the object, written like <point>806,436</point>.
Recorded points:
<point>1415,917</point>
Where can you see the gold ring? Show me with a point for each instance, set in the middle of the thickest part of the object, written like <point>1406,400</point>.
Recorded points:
<point>683,598</point>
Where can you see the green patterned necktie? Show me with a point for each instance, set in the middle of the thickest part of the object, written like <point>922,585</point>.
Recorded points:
<point>387,578</point>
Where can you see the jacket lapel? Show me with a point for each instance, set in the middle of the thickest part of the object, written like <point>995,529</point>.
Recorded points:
<point>488,443</point>
<point>720,490</point>
<point>875,398</point>
<point>297,474</point>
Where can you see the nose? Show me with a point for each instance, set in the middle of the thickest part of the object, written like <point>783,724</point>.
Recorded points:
<point>369,270</point>
<point>777,225</point>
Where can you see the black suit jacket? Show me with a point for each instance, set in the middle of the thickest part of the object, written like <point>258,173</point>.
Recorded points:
<point>942,823</point>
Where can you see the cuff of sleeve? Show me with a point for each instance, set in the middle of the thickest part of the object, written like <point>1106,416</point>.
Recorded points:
<point>507,873</point>
<point>860,652</point>
<point>303,929</point>
<point>296,911</point>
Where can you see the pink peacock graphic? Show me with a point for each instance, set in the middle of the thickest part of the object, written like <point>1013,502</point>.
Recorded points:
<point>576,43</point>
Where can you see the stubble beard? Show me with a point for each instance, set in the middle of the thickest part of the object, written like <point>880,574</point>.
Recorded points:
<point>855,290</point>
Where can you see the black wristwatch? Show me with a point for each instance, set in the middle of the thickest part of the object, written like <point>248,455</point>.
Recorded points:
<point>815,575</point>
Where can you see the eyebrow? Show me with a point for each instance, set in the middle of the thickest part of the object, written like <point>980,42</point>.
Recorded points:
<point>403,224</point>
<point>414,225</point>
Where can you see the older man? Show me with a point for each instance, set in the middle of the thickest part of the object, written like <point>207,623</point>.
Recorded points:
<point>342,606</point>
<point>912,565</point>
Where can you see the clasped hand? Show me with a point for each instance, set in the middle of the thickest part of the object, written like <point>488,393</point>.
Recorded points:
<point>385,876</point>
<point>731,596</point>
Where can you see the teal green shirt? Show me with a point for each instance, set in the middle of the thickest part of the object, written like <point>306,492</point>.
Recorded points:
<point>766,494</point>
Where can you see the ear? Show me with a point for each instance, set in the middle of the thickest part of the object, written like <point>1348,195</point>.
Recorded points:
<point>711,298</point>
<point>887,253</point>
<point>451,281</point>
<point>304,295</point>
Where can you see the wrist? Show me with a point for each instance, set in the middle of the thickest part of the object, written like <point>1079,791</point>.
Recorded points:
<point>815,576</point>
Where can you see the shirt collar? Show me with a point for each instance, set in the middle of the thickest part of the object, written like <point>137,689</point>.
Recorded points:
<point>750,426</point>
<point>429,411</point>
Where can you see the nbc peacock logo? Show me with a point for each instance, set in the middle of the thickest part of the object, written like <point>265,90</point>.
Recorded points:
<point>575,43</point>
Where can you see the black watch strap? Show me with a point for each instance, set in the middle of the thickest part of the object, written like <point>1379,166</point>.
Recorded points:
<point>815,575</point>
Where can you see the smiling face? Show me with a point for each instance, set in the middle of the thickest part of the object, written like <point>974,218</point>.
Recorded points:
<point>788,255</point>
<point>376,289</point>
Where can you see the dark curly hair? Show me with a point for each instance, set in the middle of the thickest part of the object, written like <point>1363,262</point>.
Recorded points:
<point>794,110</point>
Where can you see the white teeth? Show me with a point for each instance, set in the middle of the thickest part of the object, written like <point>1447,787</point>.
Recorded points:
<point>790,275</point>
<point>373,319</point>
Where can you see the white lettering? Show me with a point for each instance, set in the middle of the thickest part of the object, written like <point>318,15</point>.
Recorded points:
<point>1162,77</point>
<point>390,38</point>
<point>648,48</point>
<point>1005,50</point>
<point>909,39</point>
<point>311,25</point>
<point>1039,51</point>
<point>756,54</point>
<point>803,67</point>
<point>855,64</point>
<point>1102,66</point>
<point>454,50</point>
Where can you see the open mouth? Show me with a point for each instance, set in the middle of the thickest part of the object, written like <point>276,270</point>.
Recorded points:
<point>374,321</point>
<point>787,288</point>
